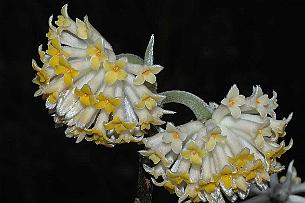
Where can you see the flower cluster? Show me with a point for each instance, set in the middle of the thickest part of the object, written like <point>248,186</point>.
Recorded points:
<point>282,190</point>
<point>238,146</point>
<point>100,96</point>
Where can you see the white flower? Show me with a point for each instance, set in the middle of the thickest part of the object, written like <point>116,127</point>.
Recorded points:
<point>259,101</point>
<point>174,137</point>
<point>223,155</point>
<point>233,101</point>
<point>91,89</point>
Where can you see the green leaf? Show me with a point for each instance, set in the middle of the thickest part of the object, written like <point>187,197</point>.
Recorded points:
<point>149,53</point>
<point>201,109</point>
<point>132,58</point>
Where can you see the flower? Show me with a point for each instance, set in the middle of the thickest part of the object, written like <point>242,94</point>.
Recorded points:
<point>85,95</point>
<point>175,137</point>
<point>193,153</point>
<point>55,52</point>
<point>264,131</point>
<point>107,103</point>
<point>97,54</point>
<point>145,73</point>
<point>212,139</point>
<point>42,77</point>
<point>115,71</point>
<point>82,30</point>
<point>62,21</point>
<point>259,101</point>
<point>90,89</point>
<point>224,154</point>
<point>148,101</point>
<point>65,69</point>
<point>118,125</point>
<point>233,101</point>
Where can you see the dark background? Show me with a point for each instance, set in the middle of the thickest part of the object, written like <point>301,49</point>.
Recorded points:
<point>204,50</point>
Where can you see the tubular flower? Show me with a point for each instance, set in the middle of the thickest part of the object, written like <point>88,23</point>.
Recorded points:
<point>147,73</point>
<point>97,55</point>
<point>223,155</point>
<point>85,95</point>
<point>90,89</point>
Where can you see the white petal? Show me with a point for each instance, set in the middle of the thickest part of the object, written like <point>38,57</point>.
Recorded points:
<point>235,111</point>
<point>176,146</point>
<point>233,92</point>
<point>240,100</point>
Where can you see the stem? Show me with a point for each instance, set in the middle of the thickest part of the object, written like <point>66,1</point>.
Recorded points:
<point>201,109</point>
<point>145,186</point>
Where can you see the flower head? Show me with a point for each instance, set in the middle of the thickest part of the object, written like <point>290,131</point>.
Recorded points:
<point>223,154</point>
<point>88,87</point>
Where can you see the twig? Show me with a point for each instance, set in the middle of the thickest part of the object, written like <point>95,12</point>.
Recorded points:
<point>145,186</point>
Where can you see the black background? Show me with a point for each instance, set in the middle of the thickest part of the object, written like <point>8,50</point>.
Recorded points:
<point>204,50</point>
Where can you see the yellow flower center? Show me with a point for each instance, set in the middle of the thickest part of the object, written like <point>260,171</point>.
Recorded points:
<point>175,135</point>
<point>214,135</point>
<point>259,131</point>
<point>258,101</point>
<point>231,102</point>
<point>116,68</point>
<point>146,72</point>
<point>98,53</point>
<point>194,152</point>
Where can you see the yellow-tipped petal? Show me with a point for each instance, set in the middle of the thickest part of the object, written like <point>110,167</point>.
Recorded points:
<point>82,31</point>
<point>95,62</point>
<point>68,80</point>
<point>108,65</point>
<point>151,78</point>
<point>54,61</point>
<point>59,70</point>
<point>52,51</point>
<point>150,103</point>
<point>121,74</point>
<point>109,108</point>
<point>86,89</point>
<point>140,104</point>
<point>110,77</point>
<point>85,100</point>
<point>186,154</point>
<point>156,69</point>
<point>116,101</point>
<point>210,145</point>
<point>119,128</point>
<point>139,80</point>
<point>121,63</point>
<point>196,159</point>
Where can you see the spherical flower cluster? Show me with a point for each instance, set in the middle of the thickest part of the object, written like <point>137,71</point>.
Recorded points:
<point>220,158</point>
<point>100,96</point>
